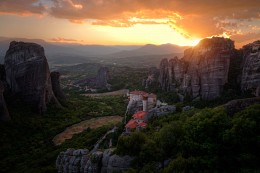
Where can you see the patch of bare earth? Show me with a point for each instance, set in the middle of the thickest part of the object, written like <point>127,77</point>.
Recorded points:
<point>122,92</point>
<point>80,127</point>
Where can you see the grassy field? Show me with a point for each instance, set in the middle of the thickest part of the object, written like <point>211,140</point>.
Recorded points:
<point>122,92</point>
<point>84,125</point>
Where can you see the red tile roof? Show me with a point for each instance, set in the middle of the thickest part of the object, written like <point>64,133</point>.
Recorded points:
<point>138,92</point>
<point>132,124</point>
<point>140,115</point>
<point>142,124</point>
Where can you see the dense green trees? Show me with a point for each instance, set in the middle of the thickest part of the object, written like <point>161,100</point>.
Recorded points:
<point>206,140</point>
<point>26,141</point>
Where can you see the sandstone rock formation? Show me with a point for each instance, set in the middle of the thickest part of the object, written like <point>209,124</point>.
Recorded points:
<point>208,67</point>
<point>153,74</point>
<point>4,114</point>
<point>102,78</point>
<point>177,69</point>
<point>81,161</point>
<point>55,81</point>
<point>28,74</point>
<point>202,72</point>
<point>100,81</point>
<point>164,77</point>
<point>250,79</point>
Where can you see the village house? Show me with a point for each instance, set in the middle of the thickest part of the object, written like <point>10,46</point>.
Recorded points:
<point>141,97</point>
<point>144,102</point>
<point>145,109</point>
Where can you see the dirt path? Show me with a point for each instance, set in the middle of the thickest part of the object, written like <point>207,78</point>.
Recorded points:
<point>122,92</point>
<point>80,127</point>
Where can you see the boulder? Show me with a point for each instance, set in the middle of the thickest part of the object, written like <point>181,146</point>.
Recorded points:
<point>28,75</point>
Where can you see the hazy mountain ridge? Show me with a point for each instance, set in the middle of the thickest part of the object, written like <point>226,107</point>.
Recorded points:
<point>150,49</point>
<point>65,53</point>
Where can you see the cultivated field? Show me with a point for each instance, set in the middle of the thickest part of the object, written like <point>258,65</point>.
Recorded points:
<point>80,127</point>
<point>122,92</point>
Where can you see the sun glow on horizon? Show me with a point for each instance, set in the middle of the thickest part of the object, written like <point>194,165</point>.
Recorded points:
<point>86,33</point>
<point>139,34</point>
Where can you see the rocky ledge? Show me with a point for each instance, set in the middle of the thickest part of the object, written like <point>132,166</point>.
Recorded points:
<point>83,161</point>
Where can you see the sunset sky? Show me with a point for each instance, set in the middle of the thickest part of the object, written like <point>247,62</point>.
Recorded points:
<point>131,22</point>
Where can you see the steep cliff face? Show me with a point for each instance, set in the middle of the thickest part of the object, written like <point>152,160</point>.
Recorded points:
<point>100,81</point>
<point>55,81</point>
<point>177,69</point>
<point>152,76</point>
<point>250,79</point>
<point>102,77</point>
<point>28,75</point>
<point>4,114</point>
<point>164,78</point>
<point>203,70</point>
<point>208,67</point>
<point>82,161</point>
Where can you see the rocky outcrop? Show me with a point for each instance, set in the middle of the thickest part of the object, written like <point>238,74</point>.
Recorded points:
<point>250,79</point>
<point>82,161</point>
<point>102,78</point>
<point>177,68</point>
<point>28,74</point>
<point>152,76</point>
<point>208,65</point>
<point>99,82</point>
<point>117,164</point>
<point>55,81</point>
<point>238,105</point>
<point>164,77</point>
<point>4,114</point>
<point>202,72</point>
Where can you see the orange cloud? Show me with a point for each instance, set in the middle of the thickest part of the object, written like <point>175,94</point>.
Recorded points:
<point>191,18</point>
<point>64,40</point>
<point>22,7</point>
<point>200,18</point>
<point>245,38</point>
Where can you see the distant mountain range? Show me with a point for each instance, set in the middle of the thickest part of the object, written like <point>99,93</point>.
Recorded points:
<point>62,54</point>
